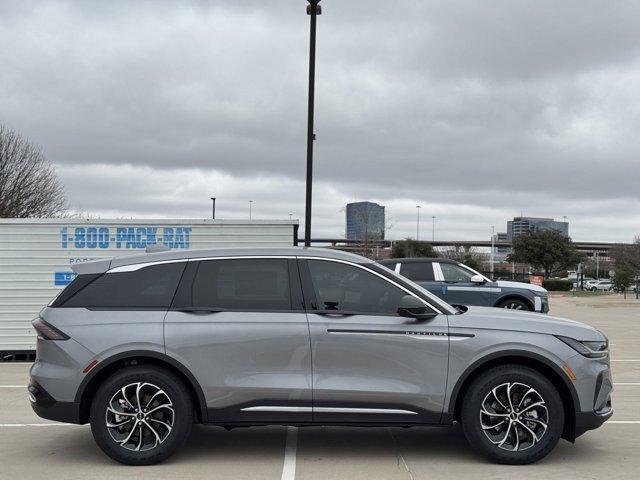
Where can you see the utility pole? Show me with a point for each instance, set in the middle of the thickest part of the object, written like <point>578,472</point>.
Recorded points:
<point>418,223</point>
<point>313,9</point>
<point>493,248</point>
<point>213,210</point>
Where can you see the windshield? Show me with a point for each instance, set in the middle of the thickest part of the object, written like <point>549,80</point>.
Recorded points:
<point>435,301</point>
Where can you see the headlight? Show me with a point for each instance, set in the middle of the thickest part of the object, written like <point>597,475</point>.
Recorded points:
<point>597,349</point>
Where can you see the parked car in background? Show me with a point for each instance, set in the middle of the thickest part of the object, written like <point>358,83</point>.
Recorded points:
<point>600,286</point>
<point>459,284</point>
<point>142,347</point>
<point>588,283</point>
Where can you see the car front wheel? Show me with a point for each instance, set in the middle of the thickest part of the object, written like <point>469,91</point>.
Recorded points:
<point>141,415</point>
<point>514,304</point>
<point>512,415</point>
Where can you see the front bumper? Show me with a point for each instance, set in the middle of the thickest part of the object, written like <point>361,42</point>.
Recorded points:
<point>45,406</point>
<point>541,304</point>
<point>586,421</point>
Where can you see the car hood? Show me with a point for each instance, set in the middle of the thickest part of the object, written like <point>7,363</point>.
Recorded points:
<point>519,321</point>
<point>525,286</point>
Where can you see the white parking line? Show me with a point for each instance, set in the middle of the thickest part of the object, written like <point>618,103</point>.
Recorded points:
<point>14,386</point>
<point>626,360</point>
<point>623,422</point>
<point>289,466</point>
<point>626,384</point>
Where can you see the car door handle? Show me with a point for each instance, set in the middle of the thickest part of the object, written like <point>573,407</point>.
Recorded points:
<point>198,310</point>
<point>335,315</point>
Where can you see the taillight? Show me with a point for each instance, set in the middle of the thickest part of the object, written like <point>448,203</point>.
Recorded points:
<point>46,331</point>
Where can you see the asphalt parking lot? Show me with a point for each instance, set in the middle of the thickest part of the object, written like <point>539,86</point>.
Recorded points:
<point>34,448</point>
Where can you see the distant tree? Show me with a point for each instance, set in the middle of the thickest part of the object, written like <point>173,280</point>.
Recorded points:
<point>601,270</point>
<point>627,254</point>
<point>412,248</point>
<point>29,186</point>
<point>624,275</point>
<point>469,256</point>
<point>548,251</point>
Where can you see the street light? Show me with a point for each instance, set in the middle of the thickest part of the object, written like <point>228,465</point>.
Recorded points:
<point>313,9</point>
<point>493,247</point>
<point>433,228</point>
<point>213,210</point>
<point>418,223</point>
<point>250,205</point>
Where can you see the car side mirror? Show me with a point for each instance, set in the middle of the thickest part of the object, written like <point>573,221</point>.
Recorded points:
<point>477,279</point>
<point>413,307</point>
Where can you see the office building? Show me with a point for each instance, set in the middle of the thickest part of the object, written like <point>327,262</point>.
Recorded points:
<point>525,224</point>
<point>364,221</point>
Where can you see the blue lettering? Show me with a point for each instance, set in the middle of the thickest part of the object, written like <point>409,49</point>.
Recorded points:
<point>131,238</point>
<point>151,235</point>
<point>167,237</point>
<point>79,237</point>
<point>121,236</point>
<point>92,237</point>
<point>103,237</point>
<point>141,233</point>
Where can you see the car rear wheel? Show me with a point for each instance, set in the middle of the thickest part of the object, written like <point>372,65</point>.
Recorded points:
<point>141,415</point>
<point>512,415</point>
<point>514,304</point>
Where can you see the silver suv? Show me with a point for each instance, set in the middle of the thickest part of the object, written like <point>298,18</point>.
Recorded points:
<point>142,347</point>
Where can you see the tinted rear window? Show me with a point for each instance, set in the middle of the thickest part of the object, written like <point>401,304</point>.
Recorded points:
<point>148,287</point>
<point>417,271</point>
<point>242,284</point>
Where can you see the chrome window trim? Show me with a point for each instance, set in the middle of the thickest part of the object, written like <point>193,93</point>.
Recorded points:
<point>137,266</point>
<point>397,285</point>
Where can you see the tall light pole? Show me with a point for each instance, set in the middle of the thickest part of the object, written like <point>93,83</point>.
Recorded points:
<point>250,208</point>
<point>313,9</point>
<point>433,228</point>
<point>213,209</point>
<point>493,248</point>
<point>418,223</point>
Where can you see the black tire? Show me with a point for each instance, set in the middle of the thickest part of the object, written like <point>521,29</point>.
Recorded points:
<point>526,449</point>
<point>515,304</point>
<point>163,393</point>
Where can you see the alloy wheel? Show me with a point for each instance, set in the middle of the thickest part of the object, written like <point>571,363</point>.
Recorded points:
<point>514,306</point>
<point>514,416</point>
<point>140,416</point>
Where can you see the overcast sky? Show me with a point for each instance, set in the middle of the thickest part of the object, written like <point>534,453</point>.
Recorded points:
<point>477,111</point>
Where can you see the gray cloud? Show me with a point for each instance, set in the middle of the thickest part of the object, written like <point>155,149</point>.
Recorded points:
<point>477,111</point>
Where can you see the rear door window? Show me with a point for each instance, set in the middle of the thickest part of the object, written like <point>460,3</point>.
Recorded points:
<point>150,287</point>
<point>417,271</point>
<point>242,284</point>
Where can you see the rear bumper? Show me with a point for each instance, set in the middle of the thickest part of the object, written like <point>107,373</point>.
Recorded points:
<point>45,406</point>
